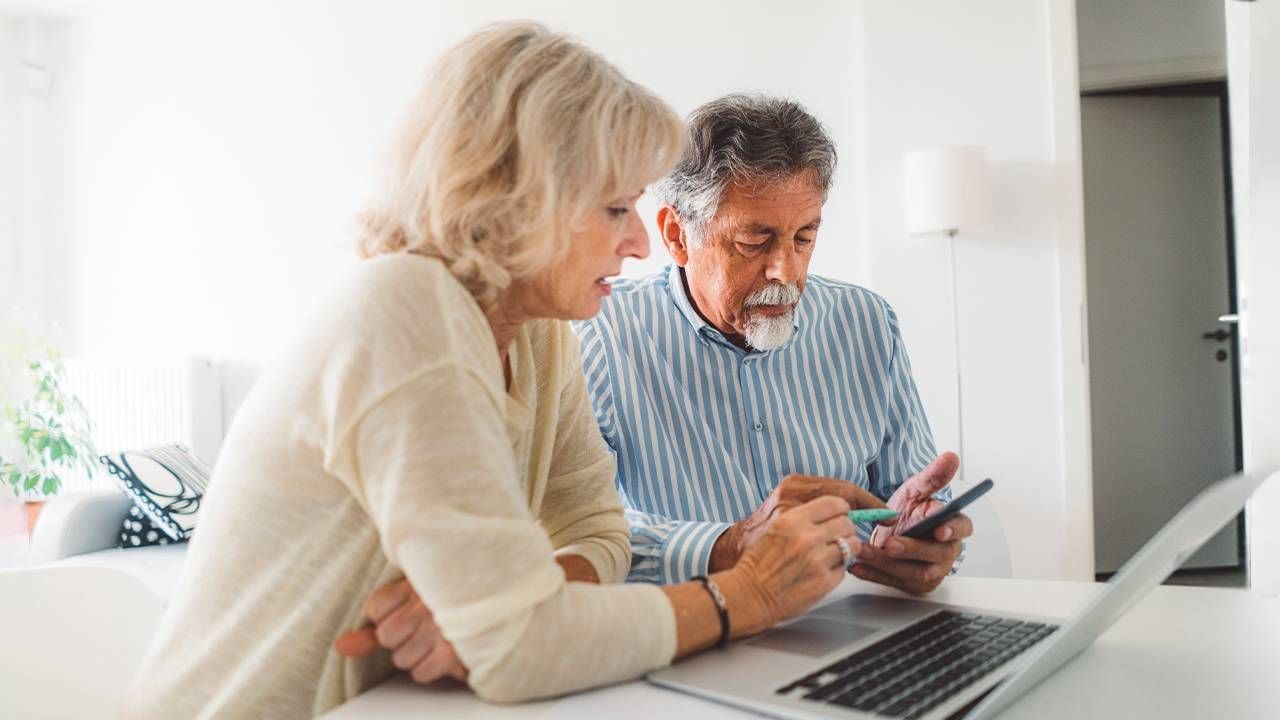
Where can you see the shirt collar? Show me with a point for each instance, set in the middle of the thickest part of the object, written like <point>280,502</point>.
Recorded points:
<point>675,285</point>
<point>679,296</point>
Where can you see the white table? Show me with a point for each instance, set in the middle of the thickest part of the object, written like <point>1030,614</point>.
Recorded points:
<point>1182,652</point>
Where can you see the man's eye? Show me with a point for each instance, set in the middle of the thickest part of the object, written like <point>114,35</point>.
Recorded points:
<point>801,240</point>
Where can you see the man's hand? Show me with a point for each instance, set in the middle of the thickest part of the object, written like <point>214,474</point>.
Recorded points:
<point>399,621</point>
<point>916,566</point>
<point>793,491</point>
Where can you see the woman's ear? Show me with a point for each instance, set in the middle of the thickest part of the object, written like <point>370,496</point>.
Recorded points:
<point>671,228</point>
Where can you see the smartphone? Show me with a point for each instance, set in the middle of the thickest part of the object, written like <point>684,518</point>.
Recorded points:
<point>923,530</point>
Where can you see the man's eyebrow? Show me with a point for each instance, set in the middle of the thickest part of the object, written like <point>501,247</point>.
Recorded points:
<point>757,228</point>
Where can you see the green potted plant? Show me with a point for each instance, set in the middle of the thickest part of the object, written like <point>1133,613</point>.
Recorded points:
<point>45,431</point>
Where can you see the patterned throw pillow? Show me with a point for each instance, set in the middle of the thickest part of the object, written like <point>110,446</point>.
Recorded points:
<point>139,531</point>
<point>165,484</point>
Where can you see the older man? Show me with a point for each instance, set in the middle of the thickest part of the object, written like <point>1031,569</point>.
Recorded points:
<point>727,382</point>
<point>733,386</point>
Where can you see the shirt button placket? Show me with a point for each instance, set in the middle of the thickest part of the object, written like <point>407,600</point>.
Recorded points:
<point>754,409</point>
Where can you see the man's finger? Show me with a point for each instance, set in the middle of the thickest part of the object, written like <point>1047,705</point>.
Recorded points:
<point>866,572</point>
<point>387,599</point>
<point>904,548</point>
<point>911,575</point>
<point>356,643</point>
<point>815,486</point>
<point>934,478</point>
<point>857,497</point>
<point>957,528</point>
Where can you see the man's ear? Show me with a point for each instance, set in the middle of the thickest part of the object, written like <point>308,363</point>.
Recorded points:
<point>671,228</point>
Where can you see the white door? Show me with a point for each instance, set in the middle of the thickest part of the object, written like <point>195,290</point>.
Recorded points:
<point>1156,252</point>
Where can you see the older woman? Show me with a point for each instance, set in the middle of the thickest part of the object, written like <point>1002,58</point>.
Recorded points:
<point>430,423</point>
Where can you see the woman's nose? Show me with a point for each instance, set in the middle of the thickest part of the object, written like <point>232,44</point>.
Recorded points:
<point>636,243</point>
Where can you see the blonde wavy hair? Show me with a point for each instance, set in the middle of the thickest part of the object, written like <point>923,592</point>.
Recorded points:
<point>517,134</point>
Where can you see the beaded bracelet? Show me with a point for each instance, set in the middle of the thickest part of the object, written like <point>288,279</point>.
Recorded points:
<point>722,608</point>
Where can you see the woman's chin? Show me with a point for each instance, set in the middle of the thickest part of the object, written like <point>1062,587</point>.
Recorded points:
<point>583,310</point>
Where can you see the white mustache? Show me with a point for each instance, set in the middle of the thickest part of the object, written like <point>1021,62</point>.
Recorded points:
<point>774,294</point>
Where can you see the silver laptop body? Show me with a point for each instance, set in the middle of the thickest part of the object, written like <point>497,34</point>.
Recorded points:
<point>750,673</point>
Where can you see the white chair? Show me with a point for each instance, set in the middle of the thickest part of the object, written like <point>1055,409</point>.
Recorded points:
<point>73,637</point>
<point>76,625</point>
<point>987,551</point>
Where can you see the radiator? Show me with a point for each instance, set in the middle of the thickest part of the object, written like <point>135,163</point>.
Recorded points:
<point>135,405</point>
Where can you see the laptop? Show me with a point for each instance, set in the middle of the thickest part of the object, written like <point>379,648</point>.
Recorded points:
<point>871,656</point>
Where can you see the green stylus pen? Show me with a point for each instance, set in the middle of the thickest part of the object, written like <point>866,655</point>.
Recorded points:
<point>872,515</point>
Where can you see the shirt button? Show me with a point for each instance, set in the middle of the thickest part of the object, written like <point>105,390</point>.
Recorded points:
<point>758,426</point>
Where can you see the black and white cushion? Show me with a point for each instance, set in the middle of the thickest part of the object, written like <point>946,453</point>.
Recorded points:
<point>165,484</point>
<point>139,531</point>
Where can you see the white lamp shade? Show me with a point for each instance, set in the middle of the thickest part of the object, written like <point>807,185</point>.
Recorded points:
<point>946,189</point>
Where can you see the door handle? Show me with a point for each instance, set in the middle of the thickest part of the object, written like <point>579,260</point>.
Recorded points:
<point>1220,335</point>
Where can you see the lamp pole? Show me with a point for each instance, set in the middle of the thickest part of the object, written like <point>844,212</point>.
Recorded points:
<point>955,317</point>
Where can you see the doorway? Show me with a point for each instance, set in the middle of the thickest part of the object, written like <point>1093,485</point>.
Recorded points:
<point>1163,351</point>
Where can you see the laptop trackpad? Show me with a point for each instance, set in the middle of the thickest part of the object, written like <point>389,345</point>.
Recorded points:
<point>812,636</point>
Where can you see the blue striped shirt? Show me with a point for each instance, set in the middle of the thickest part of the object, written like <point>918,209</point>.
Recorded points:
<point>703,430</point>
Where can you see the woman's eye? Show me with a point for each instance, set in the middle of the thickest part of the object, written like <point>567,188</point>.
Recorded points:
<point>618,212</point>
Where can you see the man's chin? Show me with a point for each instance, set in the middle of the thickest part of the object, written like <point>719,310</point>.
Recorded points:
<point>770,333</point>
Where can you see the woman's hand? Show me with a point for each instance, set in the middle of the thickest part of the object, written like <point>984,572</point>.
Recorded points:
<point>797,560</point>
<point>793,564</point>
<point>794,491</point>
<point>399,621</point>
<point>402,623</point>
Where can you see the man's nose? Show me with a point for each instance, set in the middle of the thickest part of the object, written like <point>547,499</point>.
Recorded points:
<point>784,265</point>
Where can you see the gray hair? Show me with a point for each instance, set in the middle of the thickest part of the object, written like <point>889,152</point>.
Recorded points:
<point>753,140</point>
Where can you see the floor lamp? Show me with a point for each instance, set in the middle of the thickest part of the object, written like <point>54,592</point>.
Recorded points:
<point>946,190</point>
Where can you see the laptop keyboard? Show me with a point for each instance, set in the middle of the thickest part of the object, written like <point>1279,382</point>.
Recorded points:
<point>922,665</point>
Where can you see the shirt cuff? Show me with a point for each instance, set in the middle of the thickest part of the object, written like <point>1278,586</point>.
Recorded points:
<point>686,553</point>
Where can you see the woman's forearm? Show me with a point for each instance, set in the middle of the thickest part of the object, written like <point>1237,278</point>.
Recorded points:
<point>578,569</point>
<point>698,621</point>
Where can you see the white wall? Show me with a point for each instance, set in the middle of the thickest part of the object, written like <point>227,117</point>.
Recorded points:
<point>9,64</point>
<point>999,74</point>
<point>33,158</point>
<point>1253,37</point>
<point>1138,42</point>
<point>225,147</point>
<point>221,150</point>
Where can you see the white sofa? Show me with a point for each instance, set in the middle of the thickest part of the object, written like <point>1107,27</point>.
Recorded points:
<point>83,613</point>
